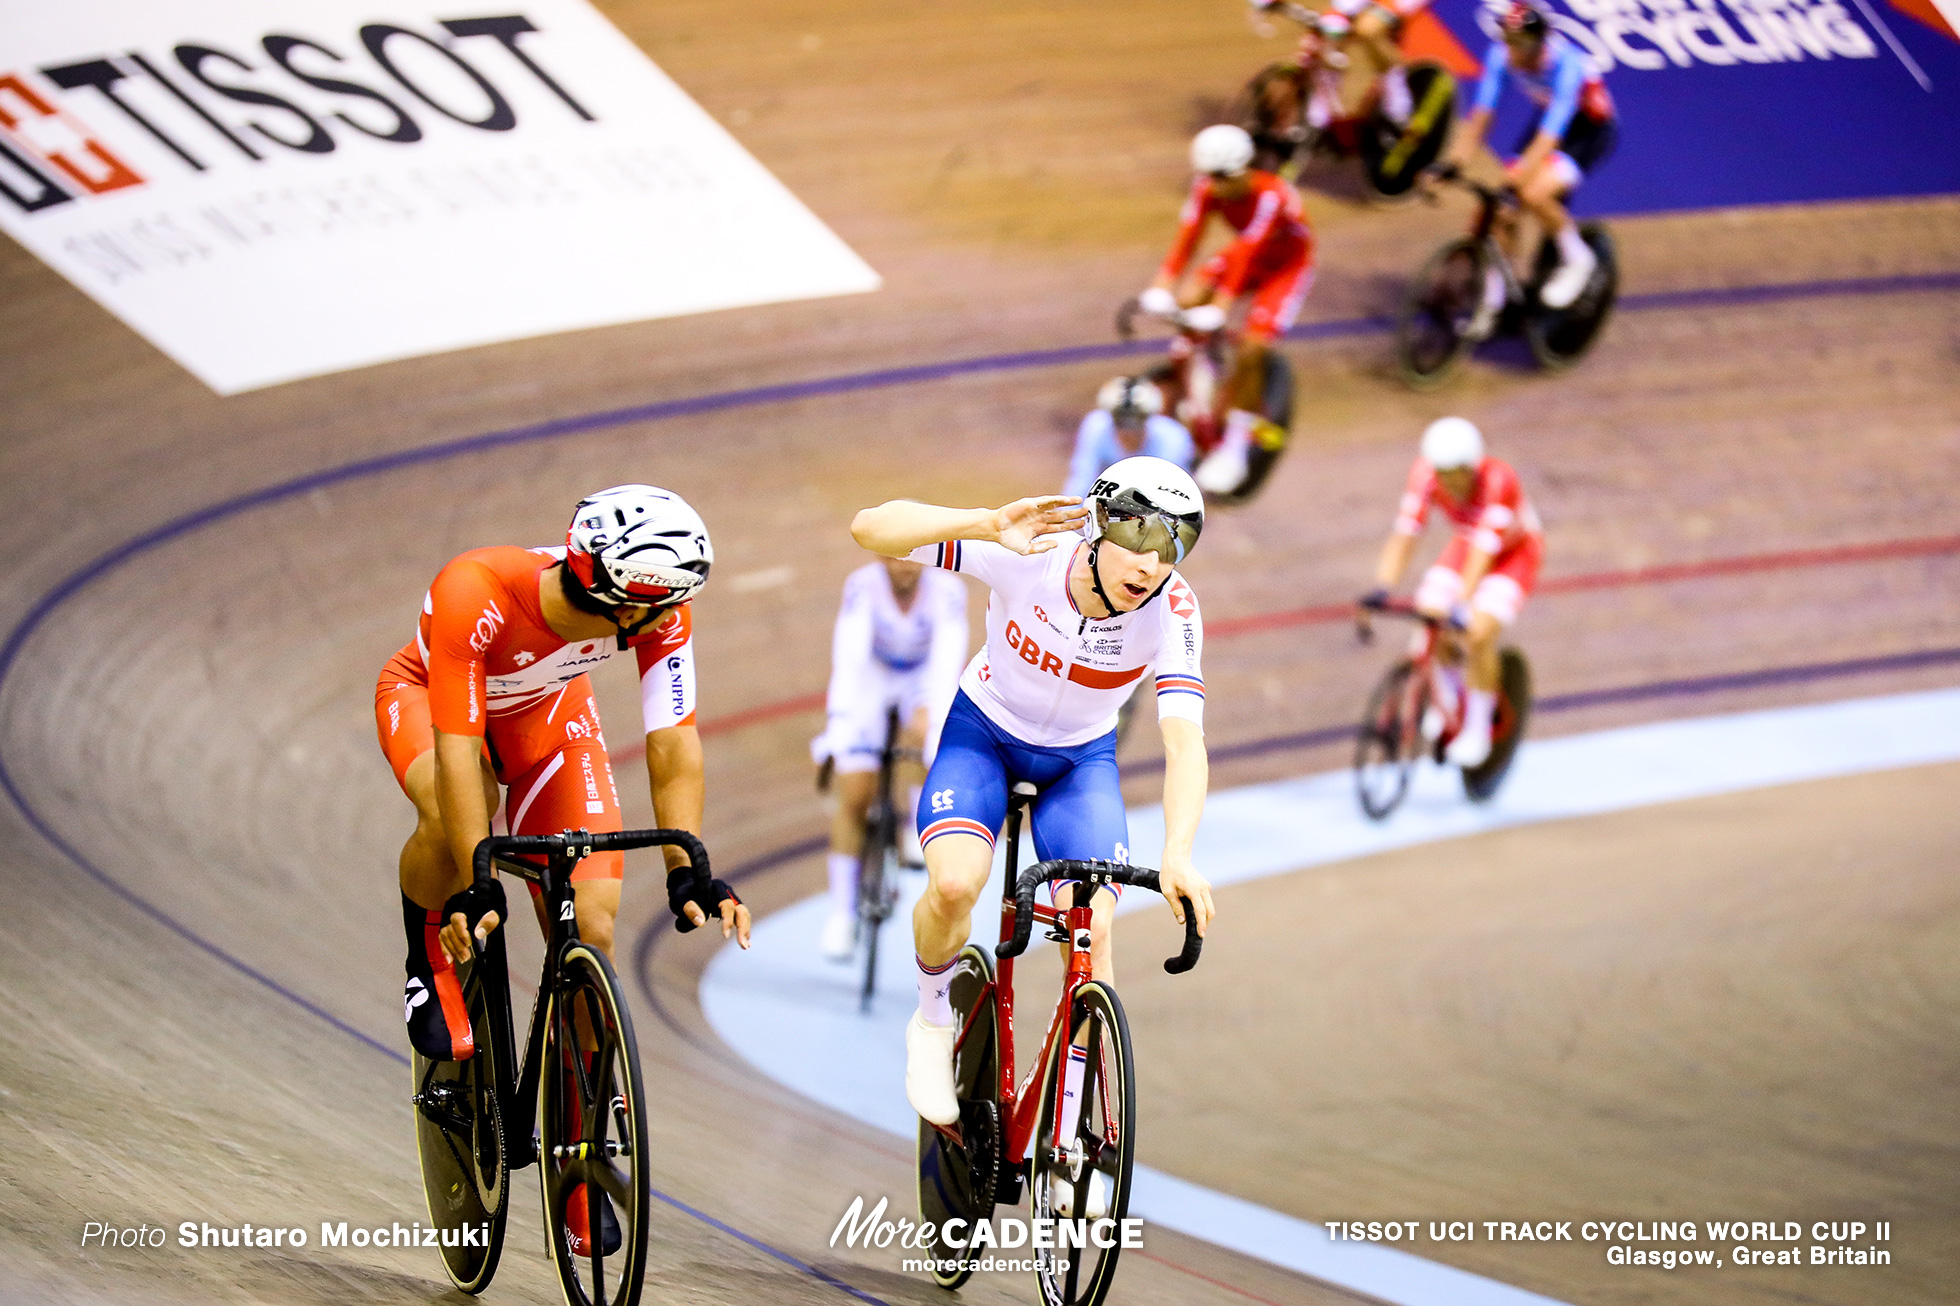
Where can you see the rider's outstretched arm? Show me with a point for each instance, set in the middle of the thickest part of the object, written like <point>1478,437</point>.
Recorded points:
<point>896,528</point>
<point>1187,775</point>
<point>1394,560</point>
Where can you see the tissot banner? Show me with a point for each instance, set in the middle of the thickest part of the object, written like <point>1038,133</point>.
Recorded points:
<point>1731,102</point>
<point>273,189</point>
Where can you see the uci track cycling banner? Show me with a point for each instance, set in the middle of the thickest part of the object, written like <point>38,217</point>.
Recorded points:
<point>1730,102</point>
<point>273,189</point>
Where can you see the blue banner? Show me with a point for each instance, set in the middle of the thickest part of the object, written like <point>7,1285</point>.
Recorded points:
<point>1729,102</point>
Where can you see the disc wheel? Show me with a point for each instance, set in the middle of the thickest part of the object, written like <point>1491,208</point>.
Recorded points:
<point>1080,1170</point>
<point>1394,155</point>
<point>592,1150</point>
<point>459,1135</point>
<point>1560,337</point>
<point>959,1180</point>
<point>1389,740</point>
<point>1429,333</point>
<point>1507,725</point>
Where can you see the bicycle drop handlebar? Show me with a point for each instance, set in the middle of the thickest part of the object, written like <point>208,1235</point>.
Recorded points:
<point>1095,874</point>
<point>585,844</point>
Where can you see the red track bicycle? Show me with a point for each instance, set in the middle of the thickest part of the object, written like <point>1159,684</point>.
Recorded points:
<point>1411,713</point>
<point>1078,1174</point>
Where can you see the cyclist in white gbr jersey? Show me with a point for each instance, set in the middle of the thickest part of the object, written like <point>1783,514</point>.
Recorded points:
<point>1074,621</point>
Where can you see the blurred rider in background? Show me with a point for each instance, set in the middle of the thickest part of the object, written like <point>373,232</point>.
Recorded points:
<point>1268,267</point>
<point>1486,572</point>
<point>1574,131</point>
<point>1128,418</point>
<point>900,642</point>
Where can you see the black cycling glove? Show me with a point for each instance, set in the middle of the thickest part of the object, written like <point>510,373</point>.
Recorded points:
<point>1375,599</point>
<point>476,902</point>
<point>683,887</point>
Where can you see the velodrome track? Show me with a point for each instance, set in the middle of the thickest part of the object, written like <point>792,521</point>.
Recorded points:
<point>199,863</point>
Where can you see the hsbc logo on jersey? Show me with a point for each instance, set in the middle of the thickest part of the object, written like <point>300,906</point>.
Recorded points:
<point>1181,601</point>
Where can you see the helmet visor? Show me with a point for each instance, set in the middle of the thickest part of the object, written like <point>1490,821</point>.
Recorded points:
<point>1142,531</point>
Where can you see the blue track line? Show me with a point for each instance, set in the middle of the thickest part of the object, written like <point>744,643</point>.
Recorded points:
<point>854,382</point>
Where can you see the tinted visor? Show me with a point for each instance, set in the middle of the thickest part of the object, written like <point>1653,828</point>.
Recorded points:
<point>1169,537</point>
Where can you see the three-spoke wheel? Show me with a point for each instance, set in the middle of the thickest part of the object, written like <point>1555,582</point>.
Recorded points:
<point>459,1133</point>
<point>592,1139</point>
<point>958,1176</point>
<point>1389,740</point>
<point>1084,1148</point>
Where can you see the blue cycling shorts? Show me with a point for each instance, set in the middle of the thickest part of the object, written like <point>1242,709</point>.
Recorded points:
<point>1078,815</point>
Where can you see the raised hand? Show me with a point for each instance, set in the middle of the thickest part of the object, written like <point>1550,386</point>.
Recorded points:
<point>1028,526</point>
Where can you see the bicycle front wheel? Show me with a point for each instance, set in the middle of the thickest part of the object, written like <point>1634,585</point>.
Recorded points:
<point>877,890</point>
<point>958,1179</point>
<point>1389,740</point>
<point>1085,1149</point>
<point>459,1134</point>
<point>592,1135</point>
<point>1429,334</point>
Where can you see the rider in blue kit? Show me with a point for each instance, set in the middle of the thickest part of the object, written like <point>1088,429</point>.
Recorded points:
<point>1573,132</point>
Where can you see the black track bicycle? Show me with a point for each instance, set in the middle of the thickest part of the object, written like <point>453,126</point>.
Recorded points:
<point>1433,331</point>
<point>574,1104</point>
<point>880,857</point>
<point>1012,1137</point>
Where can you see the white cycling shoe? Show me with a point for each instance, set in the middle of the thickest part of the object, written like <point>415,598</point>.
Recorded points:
<point>929,1085</point>
<point>1095,1203</point>
<point>1565,286</point>
<point>1469,749</point>
<point>839,940</point>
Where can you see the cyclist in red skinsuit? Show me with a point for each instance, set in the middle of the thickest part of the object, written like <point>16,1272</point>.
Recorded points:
<point>493,690</point>
<point>1485,573</point>
<point>1270,265</point>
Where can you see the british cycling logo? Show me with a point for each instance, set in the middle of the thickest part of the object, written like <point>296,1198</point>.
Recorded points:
<point>977,1241</point>
<point>1652,35</point>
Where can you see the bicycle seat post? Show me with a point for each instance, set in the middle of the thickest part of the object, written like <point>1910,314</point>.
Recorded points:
<point>1019,798</point>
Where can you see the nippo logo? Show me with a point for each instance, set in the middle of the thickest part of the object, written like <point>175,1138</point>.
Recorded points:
<point>239,105</point>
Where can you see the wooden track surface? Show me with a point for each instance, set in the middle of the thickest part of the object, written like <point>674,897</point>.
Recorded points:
<point>197,723</point>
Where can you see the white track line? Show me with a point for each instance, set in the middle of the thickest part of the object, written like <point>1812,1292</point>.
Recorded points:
<point>796,1018</point>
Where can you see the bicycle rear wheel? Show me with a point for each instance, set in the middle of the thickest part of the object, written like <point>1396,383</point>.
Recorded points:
<point>459,1134</point>
<point>1081,1174</point>
<point>1560,337</point>
<point>592,1148</point>
<point>1506,726</point>
<point>877,888</point>
<point>1393,156</point>
<point>958,1180</point>
<point>1389,740</point>
<point>1429,334</point>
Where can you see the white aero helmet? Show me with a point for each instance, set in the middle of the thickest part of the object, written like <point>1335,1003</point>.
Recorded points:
<point>1221,150</point>
<point>1452,442</point>
<point>1130,398</point>
<point>1146,505</point>
<point>638,545</point>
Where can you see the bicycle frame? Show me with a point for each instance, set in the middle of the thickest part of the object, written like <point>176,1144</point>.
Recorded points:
<point>517,1094</point>
<point>1428,667</point>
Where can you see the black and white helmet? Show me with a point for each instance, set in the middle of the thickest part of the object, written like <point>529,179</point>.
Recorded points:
<point>638,545</point>
<point>1147,505</point>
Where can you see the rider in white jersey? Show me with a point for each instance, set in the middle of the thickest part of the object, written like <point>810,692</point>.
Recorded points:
<point>900,640</point>
<point>1072,624</point>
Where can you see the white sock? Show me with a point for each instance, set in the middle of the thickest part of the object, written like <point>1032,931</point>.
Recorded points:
<point>1238,430</point>
<point>1396,102</point>
<point>1571,247</point>
<point>1078,1061</point>
<point>1477,712</point>
<point>843,884</point>
<point>1495,291</point>
<point>936,992</point>
<point>1453,684</point>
